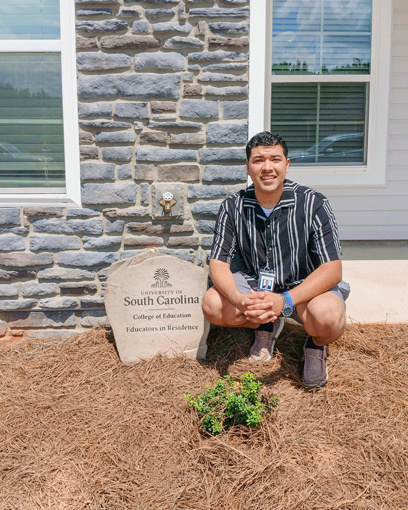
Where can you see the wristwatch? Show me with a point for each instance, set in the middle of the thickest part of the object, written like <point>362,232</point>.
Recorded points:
<point>287,304</point>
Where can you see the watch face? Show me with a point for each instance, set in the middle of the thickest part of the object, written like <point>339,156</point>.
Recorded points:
<point>287,311</point>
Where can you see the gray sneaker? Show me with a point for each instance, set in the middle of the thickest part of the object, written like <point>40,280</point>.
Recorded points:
<point>262,348</point>
<point>315,372</point>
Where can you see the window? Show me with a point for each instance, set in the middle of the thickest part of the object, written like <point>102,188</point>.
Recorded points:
<point>324,85</point>
<point>38,103</point>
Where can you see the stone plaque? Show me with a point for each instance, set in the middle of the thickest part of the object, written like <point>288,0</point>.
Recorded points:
<point>153,303</point>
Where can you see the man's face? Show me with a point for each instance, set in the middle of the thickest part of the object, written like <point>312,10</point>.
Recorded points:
<point>267,167</point>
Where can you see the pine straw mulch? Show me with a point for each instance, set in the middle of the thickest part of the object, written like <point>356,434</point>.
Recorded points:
<point>80,430</point>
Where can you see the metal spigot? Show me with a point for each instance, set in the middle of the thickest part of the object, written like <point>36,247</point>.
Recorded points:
<point>167,201</point>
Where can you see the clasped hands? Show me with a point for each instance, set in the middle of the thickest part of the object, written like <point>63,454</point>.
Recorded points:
<point>262,307</point>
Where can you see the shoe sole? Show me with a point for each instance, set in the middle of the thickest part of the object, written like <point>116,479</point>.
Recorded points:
<point>315,385</point>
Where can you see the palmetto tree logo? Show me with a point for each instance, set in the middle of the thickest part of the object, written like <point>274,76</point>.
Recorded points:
<point>161,276</point>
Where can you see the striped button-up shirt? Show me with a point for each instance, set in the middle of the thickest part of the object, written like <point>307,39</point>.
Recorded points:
<point>299,235</point>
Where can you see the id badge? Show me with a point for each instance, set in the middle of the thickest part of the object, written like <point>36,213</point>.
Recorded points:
<point>266,280</point>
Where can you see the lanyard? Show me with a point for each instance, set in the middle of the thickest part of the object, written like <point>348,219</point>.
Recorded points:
<point>268,227</point>
<point>266,276</point>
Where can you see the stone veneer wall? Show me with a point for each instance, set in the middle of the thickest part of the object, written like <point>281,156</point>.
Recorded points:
<point>162,93</point>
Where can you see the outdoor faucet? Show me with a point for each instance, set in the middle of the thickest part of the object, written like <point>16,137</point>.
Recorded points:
<point>167,201</point>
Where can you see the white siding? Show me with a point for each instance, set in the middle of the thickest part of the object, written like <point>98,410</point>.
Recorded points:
<point>381,212</point>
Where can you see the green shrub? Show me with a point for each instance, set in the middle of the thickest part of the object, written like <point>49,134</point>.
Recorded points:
<point>231,403</point>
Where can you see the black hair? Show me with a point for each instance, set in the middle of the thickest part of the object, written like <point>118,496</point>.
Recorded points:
<point>266,139</point>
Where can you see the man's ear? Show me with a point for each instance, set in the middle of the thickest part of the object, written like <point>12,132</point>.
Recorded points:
<point>287,164</point>
<point>247,167</point>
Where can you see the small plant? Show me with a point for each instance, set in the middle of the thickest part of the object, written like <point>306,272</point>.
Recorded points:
<point>231,403</point>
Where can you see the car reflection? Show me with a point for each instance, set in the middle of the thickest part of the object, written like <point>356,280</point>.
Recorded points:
<point>346,148</point>
<point>10,152</point>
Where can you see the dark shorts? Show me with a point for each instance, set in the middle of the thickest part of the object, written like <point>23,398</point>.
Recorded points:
<point>342,290</point>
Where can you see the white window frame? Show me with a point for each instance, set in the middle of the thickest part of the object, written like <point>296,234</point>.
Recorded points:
<point>65,46</point>
<point>373,173</point>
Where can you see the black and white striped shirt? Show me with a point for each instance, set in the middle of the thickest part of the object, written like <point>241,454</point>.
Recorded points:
<point>300,234</point>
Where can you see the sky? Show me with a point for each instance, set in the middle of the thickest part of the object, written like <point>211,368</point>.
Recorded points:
<point>29,19</point>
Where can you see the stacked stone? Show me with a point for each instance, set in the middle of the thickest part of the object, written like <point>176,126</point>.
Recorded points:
<point>162,91</point>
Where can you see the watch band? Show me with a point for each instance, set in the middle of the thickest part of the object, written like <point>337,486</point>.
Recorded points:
<point>289,298</point>
<point>287,304</point>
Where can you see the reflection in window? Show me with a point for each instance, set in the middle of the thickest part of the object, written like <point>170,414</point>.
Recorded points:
<point>29,19</point>
<point>321,36</point>
<point>325,121</point>
<point>317,119</point>
<point>31,125</point>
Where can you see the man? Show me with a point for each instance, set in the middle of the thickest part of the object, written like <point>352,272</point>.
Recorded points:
<point>283,232</point>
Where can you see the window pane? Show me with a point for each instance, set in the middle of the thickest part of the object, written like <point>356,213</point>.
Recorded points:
<point>321,123</point>
<point>342,102</point>
<point>321,36</point>
<point>29,19</point>
<point>337,62</point>
<point>307,54</point>
<point>31,129</point>
<point>294,113</point>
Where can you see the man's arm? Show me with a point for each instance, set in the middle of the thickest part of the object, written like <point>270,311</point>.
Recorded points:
<point>224,282</point>
<point>319,281</point>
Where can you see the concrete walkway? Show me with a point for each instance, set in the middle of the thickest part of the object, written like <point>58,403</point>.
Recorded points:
<point>378,275</point>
